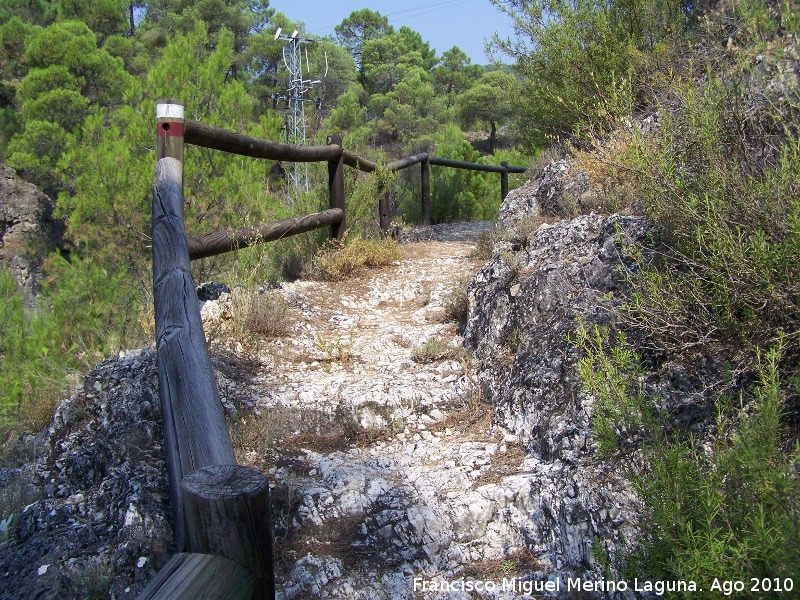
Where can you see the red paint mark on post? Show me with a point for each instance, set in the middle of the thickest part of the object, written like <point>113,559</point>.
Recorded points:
<point>170,129</point>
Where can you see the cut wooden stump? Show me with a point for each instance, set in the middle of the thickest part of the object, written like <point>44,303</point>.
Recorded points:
<point>228,513</point>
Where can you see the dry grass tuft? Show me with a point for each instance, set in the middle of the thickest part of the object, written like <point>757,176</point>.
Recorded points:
<point>614,185</point>
<point>435,349</point>
<point>503,464</point>
<point>455,301</point>
<point>475,418</point>
<point>265,314</point>
<point>517,564</point>
<point>339,260</point>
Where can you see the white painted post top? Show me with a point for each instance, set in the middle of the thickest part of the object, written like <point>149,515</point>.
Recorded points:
<point>169,111</point>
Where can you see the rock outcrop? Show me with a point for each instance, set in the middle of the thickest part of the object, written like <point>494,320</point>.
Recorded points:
<point>560,189</point>
<point>524,307</point>
<point>89,510</point>
<point>28,230</point>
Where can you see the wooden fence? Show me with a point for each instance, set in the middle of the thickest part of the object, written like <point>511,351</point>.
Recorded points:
<point>222,515</point>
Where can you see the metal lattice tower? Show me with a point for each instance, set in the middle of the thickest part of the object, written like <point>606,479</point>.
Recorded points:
<point>296,96</point>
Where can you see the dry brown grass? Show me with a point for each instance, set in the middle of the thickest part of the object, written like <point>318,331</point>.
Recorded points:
<point>614,185</point>
<point>265,314</point>
<point>339,260</point>
<point>475,418</point>
<point>516,564</point>
<point>503,464</point>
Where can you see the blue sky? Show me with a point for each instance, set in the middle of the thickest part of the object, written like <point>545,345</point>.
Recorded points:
<point>442,23</point>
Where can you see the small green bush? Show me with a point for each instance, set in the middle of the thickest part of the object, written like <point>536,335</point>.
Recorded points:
<point>732,510</point>
<point>610,371</point>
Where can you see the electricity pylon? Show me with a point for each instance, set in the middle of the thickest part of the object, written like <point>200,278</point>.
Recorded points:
<point>296,97</point>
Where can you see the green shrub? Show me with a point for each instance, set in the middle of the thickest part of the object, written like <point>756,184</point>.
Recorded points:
<point>85,313</point>
<point>610,371</point>
<point>455,301</point>
<point>734,509</point>
<point>731,271</point>
<point>32,372</point>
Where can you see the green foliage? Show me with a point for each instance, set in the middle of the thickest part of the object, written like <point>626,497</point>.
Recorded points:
<point>357,29</point>
<point>43,80</point>
<point>410,109</point>
<point>576,60</point>
<point>734,509</point>
<point>103,17</point>
<point>37,12</point>
<point>386,59</point>
<point>610,372</point>
<point>84,315</point>
<point>66,108</point>
<point>30,373</point>
<point>10,125</point>
<point>12,47</point>
<point>91,308</point>
<point>34,153</point>
<point>348,114</point>
<point>108,200</point>
<point>731,221</point>
<point>720,176</point>
<point>72,45</point>
<point>68,75</point>
<point>488,101</point>
<point>454,74</point>
<point>67,44</point>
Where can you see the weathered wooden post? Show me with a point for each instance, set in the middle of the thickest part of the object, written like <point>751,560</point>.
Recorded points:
<point>383,210</point>
<point>228,513</point>
<point>504,181</point>
<point>195,433</point>
<point>336,185</point>
<point>426,191</point>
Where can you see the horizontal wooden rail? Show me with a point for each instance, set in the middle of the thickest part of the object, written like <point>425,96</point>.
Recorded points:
<point>461,164</point>
<point>407,162</point>
<point>227,240</point>
<point>208,136</point>
<point>190,576</point>
<point>357,162</point>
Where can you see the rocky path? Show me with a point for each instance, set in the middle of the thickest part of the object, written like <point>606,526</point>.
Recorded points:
<point>372,428</point>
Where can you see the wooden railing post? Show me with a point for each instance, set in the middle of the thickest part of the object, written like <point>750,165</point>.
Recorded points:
<point>195,432</point>
<point>336,186</point>
<point>426,191</point>
<point>383,209</point>
<point>504,181</point>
